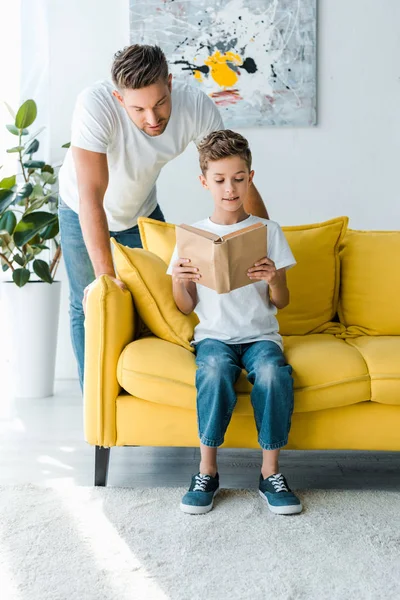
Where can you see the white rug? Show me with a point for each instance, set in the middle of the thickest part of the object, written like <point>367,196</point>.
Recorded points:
<point>71,543</point>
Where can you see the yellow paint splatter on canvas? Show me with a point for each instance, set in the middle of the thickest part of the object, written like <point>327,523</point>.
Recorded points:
<point>220,71</point>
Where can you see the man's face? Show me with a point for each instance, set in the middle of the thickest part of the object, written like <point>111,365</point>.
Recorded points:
<point>228,180</point>
<point>149,108</point>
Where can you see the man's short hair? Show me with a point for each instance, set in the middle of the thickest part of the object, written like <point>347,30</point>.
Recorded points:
<point>139,66</point>
<point>223,144</point>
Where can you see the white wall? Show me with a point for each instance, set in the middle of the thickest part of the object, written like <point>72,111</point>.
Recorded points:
<point>347,165</point>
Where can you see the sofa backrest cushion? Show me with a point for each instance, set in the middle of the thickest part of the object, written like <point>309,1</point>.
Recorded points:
<point>370,283</point>
<point>313,283</point>
<point>145,276</point>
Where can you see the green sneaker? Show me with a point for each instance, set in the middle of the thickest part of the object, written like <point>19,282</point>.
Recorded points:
<point>199,498</point>
<point>278,495</point>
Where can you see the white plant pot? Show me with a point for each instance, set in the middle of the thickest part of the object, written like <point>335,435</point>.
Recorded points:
<point>31,320</point>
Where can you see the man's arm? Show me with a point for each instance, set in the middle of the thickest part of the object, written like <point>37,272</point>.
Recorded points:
<point>92,174</point>
<point>254,204</point>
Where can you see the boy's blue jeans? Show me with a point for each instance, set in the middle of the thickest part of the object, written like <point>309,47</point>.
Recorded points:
<point>219,366</point>
<point>80,270</point>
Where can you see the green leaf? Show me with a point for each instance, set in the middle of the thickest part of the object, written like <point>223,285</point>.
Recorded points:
<point>40,246</point>
<point>48,169</point>
<point>15,149</point>
<point>32,224</point>
<point>34,135</point>
<point>4,265</point>
<point>15,131</point>
<point>35,240</point>
<point>7,197</point>
<point>33,251</point>
<point>19,260</point>
<point>36,177</point>
<point>5,237</point>
<point>24,191</point>
<point>26,114</point>
<point>10,110</point>
<point>51,231</point>
<point>34,164</point>
<point>36,204</point>
<point>48,178</point>
<point>67,145</point>
<point>8,182</point>
<point>42,270</point>
<point>32,147</point>
<point>37,191</point>
<point>8,221</point>
<point>21,277</point>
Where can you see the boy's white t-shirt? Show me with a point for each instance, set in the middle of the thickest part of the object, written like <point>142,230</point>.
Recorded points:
<point>246,314</point>
<point>135,159</point>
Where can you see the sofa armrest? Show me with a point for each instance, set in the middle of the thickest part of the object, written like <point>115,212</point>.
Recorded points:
<point>109,327</point>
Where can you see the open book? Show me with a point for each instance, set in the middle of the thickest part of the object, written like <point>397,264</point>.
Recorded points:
<point>223,261</point>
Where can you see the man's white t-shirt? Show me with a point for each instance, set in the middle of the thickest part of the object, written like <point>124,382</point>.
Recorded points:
<point>135,159</point>
<point>244,315</point>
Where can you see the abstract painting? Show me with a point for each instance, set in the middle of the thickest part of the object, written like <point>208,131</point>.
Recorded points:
<point>255,58</point>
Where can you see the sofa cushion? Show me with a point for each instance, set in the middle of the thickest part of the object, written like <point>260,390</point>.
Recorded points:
<point>313,283</point>
<point>382,355</point>
<point>145,276</point>
<point>370,286</point>
<point>158,237</point>
<point>327,373</point>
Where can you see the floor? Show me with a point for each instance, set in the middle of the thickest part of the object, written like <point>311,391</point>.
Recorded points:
<point>42,440</point>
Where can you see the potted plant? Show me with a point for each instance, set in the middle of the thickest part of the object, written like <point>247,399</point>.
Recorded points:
<point>29,256</point>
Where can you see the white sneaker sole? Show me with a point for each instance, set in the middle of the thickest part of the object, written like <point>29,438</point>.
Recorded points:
<point>282,510</point>
<point>198,510</point>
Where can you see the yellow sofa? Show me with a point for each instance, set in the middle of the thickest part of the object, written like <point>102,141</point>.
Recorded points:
<point>341,335</point>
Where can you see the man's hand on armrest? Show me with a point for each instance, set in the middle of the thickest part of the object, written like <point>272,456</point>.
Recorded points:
<point>92,175</point>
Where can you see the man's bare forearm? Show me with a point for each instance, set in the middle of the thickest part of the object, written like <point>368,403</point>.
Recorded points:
<point>96,235</point>
<point>254,204</point>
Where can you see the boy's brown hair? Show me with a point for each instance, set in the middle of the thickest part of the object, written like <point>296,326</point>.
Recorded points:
<point>138,66</point>
<point>223,144</point>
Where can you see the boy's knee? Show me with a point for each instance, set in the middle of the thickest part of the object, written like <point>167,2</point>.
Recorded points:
<point>271,373</point>
<point>213,369</point>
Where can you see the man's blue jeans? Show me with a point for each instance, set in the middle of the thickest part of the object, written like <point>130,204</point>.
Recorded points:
<point>219,366</point>
<point>80,270</point>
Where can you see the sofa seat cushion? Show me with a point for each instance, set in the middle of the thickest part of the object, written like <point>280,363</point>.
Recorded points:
<point>382,356</point>
<point>327,372</point>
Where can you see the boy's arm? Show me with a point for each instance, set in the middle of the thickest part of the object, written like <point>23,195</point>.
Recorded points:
<point>278,290</point>
<point>184,286</point>
<point>265,270</point>
<point>184,296</point>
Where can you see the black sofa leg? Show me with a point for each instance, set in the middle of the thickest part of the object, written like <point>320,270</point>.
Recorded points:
<point>102,459</point>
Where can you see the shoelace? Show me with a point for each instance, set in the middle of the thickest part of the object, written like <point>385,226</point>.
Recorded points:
<point>278,482</point>
<point>201,483</point>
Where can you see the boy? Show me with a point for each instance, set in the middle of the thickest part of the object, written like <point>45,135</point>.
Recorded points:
<point>237,330</point>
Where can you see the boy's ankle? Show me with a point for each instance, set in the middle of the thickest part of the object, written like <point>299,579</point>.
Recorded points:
<point>208,469</point>
<point>267,472</point>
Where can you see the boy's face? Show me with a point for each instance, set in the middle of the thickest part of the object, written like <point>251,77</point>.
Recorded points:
<point>228,180</point>
<point>149,108</point>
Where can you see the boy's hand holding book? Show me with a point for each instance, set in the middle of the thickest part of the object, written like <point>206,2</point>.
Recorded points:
<point>183,273</point>
<point>264,270</point>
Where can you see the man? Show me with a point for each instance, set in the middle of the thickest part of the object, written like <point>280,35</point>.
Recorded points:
<point>123,133</point>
